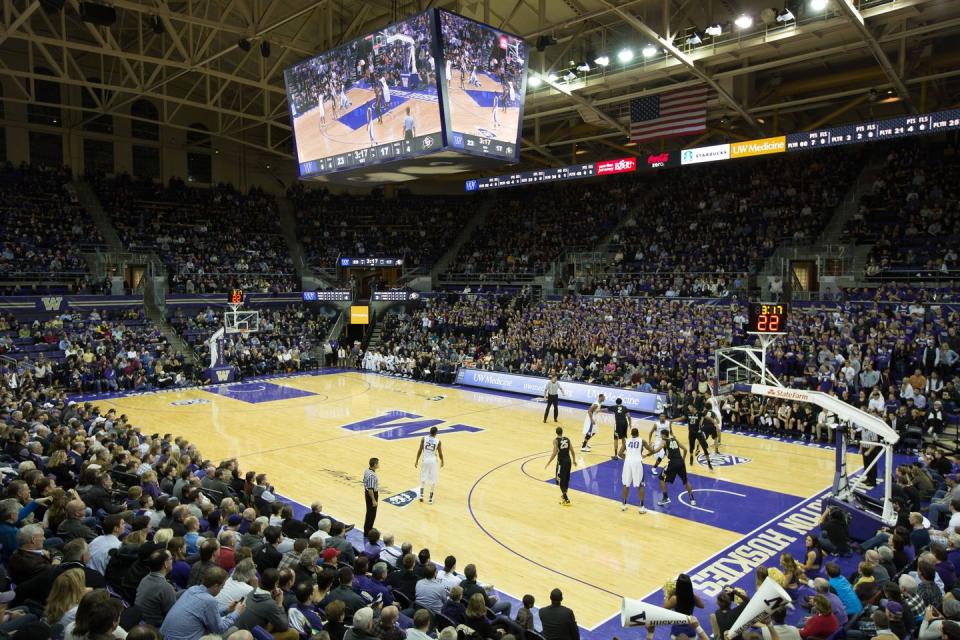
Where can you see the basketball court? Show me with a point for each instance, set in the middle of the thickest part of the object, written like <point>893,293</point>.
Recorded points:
<point>346,130</point>
<point>472,108</point>
<point>496,504</point>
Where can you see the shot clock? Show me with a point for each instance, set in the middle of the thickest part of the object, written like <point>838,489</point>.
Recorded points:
<point>767,317</point>
<point>235,297</point>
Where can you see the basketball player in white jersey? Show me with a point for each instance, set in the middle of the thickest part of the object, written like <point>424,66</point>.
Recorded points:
<point>449,69</point>
<point>431,449</point>
<point>590,422</point>
<point>496,116</point>
<point>370,118</point>
<point>631,450</point>
<point>661,424</point>
<point>323,113</point>
<point>473,75</point>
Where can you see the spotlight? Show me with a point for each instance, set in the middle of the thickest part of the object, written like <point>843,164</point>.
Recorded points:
<point>570,76</point>
<point>552,77</point>
<point>714,30</point>
<point>785,16</point>
<point>584,68</point>
<point>265,49</point>
<point>694,39</point>
<point>743,22</point>
<point>534,81</point>
<point>244,44</point>
<point>625,55</point>
<point>649,51</point>
<point>602,61</point>
<point>818,5</point>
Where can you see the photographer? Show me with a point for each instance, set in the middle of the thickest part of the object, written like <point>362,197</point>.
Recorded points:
<point>834,532</point>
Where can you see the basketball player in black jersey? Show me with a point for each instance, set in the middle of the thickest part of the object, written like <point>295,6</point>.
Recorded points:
<point>622,422</point>
<point>695,434</point>
<point>561,451</point>
<point>676,466</point>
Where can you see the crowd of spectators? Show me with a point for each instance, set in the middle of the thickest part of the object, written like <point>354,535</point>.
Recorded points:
<point>95,352</point>
<point>210,240</point>
<point>911,214</point>
<point>416,229</point>
<point>525,232</point>
<point>287,339</point>
<point>42,230</point>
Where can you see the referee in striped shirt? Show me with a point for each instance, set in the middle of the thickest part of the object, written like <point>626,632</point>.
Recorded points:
<point>371,493</point>
<point>551,393</point>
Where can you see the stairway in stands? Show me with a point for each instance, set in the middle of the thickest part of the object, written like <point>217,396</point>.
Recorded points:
<point>287,219</point>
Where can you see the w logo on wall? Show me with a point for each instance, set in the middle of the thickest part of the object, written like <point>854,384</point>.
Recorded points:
<point>398,425</point>
<point>223,375</point>
<point>51,303</point>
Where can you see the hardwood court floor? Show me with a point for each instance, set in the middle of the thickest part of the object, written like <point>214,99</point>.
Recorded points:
<point>467,116</point>
<point>495,505</point>
<point>315,140</point>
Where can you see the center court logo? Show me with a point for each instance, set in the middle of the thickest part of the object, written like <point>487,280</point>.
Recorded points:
<point>721,460</point>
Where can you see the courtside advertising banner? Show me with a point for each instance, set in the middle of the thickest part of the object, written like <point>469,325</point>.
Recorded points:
<point>571,391</point>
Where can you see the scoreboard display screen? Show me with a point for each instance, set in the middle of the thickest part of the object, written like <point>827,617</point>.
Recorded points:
<point>767,317</point>
<point>328,295</point>
<point>483,80</point>
<point>394,295</point>
<point>875,131</point>
<point>369,101</point>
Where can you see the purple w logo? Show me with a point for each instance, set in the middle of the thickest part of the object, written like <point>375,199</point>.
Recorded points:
<point>397,425</point>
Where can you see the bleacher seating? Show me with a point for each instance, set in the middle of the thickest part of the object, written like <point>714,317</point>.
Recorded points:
<point>911,214</point>
<point>417,229</point>
<point>211,240</point>
<point>43,231</point>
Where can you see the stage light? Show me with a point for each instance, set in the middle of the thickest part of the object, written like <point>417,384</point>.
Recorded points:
<point>534,81</point>
<point>714,30</point>
<point>818,5</point>
<point>156,25</point>
<point>649,51</point>
<point>570,75</point>
<point>694,39</point>
<point>265,49</point>
<point>785,16</point>
<point>552,77</point>
<point>625,55</point>
<point>743,22</point>
<point>602,61</point>
<point>584,68</point>
<point>545,41</point>
<point>244,44</point>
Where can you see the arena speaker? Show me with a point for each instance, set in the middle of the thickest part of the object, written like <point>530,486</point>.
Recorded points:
<point>51,6</point>
<point>637,613</point>
<point>98,14</point>
<point>769,596</point>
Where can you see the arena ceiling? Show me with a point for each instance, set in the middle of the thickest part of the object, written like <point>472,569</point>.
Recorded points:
<point>851,60</point>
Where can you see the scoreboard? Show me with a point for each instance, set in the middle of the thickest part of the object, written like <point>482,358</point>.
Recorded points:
<point>767,317</point>
<point>328,295</point>
<point>871,131</point>
<point>876,130</point>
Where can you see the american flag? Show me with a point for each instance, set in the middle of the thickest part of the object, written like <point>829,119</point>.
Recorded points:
<point>675,113</point>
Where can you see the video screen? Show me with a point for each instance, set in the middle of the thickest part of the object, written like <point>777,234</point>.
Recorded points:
<point>483,74</point>
<point>368,101</point>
